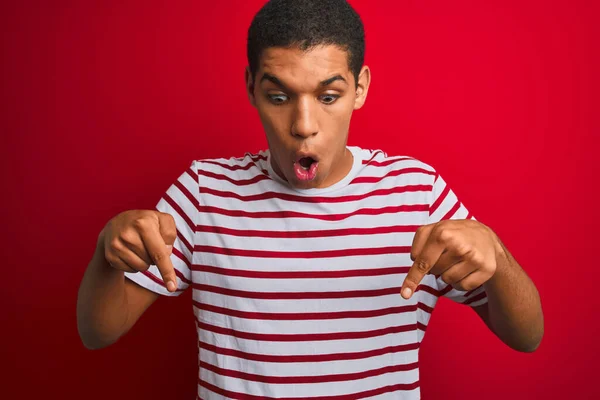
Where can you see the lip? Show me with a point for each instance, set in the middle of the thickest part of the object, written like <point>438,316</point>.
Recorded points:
<point>301,154</point>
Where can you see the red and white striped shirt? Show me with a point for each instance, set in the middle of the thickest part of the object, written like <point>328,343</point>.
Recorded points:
<point>296,292</point>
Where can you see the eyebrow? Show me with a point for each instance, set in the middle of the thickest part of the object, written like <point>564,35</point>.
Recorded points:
<point>268,77</point>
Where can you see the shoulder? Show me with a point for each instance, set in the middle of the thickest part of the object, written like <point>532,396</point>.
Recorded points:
<point>248,163</point>
<point>379,163</point>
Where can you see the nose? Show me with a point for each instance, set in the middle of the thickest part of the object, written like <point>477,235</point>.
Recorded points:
<point>305,119</point>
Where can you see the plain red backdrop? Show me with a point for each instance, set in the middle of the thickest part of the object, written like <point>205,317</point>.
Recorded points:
<point>105,103</point>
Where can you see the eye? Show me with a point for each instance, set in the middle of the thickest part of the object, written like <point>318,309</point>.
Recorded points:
<point>277,99</point>
<point>329,98</point>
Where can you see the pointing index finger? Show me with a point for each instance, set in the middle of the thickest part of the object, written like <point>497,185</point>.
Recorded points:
<point>160,254</point>
<point>424,262</point>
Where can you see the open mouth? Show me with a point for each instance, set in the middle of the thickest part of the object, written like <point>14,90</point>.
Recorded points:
<point>306,162</point>
<point>305,168</point>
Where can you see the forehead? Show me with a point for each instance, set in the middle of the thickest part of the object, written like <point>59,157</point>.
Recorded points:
<point>297,67</point>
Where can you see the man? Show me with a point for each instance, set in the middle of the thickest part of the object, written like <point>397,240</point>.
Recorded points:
<point>314,266</point>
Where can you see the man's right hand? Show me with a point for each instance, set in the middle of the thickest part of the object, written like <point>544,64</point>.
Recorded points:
<point>134,240</point>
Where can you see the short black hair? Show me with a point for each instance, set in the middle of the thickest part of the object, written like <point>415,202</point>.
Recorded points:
<point>306,24</point>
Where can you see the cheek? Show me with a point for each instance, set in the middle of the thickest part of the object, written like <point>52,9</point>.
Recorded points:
<point>338,124</point>
<point>274,123</point>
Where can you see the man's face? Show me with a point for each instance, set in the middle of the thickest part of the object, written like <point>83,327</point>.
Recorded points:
<point>305,100</point>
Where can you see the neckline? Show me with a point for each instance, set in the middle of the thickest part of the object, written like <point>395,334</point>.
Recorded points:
<point>356,164</point>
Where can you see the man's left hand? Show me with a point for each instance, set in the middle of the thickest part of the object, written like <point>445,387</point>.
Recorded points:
<point>463,252</point>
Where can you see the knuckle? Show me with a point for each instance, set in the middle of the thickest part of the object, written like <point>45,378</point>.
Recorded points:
<point>465,250</point>
<point>140,223</point>
<point>421,265</point>
<point>170,236</point>
<point>141,266</point>
<point>110,258</point>
<point>168,218</point>
<point>143,222</point>
<point>475,257</point>
<point>467,285</point>
<point>448,278</point>
<point>128,236</point>
<point>159,256</point>
<point>444,235</point>
<point>114,244</point>
<point>413,254</point>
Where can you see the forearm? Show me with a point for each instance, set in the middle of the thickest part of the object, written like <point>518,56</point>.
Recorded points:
<point>514,310</point>
<point>102,310</point>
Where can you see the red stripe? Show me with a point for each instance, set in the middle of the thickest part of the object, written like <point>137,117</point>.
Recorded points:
<point>305,337</point>
<point>324,217</point>
<point>439,200</point>
<point>308,378</point>
<point>309,357</point>
<point>184,241</point>
<point>193,174</point>
<point>428,289</point>
<point>470,292</point>
<point>299,295</point>
<point>256,157</point>
<point>181,256</point>
<point>309,295</point>
<point>473,299</point>
<point>156,279</point>
<point>190,224</point>
<point>374,179</point>
<point>231,167</point>
<point>192,199</point>
<point>300,274</point>
<point>307,316</point>
<point>421,326</point>
<point>369,251</point>
<point>385,163</point>
<point>425,307</point>
<point>241,182</point>
<point>452,211</point>
<point>353,396</point>
<point>307,234</point>
<point>182,277</point>
<point>313,199</point>
<point>252,156</point>
<point>445,290</point>
<point>373,155</point>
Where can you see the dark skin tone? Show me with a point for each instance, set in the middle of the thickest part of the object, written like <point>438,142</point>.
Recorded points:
<point>305,101</point>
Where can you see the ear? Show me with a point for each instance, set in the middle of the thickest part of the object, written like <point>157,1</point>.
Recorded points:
<point>250,87</point>
<point>362,87</point>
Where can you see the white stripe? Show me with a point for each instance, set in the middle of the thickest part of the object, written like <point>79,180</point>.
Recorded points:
<point>307,348</point>
<point>309,390</point>
<point>282,369</point>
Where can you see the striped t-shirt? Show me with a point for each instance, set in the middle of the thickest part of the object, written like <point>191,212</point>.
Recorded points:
<point>296,293</point>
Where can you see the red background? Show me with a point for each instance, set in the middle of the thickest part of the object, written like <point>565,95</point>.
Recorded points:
<point>104,104</point>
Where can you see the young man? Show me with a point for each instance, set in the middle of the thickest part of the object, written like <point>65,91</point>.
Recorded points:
<point>314,266</point>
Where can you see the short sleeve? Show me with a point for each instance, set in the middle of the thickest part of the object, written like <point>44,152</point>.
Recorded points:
<point>181,202</point>
<point>446,205</point>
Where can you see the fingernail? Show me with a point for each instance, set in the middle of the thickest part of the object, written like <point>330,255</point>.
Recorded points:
<point>406,293</point>
<point>169,248</point>
<point>171,286</point>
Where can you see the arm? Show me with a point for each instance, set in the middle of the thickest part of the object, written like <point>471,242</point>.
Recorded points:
<point>466,255</point>
<point>513,311</point>
<point>108,304</point>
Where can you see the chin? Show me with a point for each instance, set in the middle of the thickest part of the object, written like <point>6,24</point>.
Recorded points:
<point>298,184</point>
